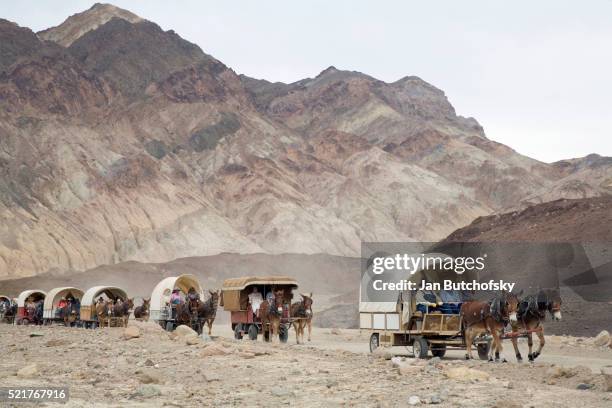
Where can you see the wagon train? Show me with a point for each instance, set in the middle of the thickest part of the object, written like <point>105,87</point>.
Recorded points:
<point>262,305</point>
<point>61,305</point>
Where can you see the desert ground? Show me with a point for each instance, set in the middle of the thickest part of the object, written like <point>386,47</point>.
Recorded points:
<point>144,366</point>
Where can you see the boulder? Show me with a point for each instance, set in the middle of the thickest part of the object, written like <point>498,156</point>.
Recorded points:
<point>602,339</point>
<point>184,331</point>
<point>466,374</point>
<point>414,400</point>
<point>560,372</point>
<point>383,352</point>
<point>131,332</point>
<point>28,371</point>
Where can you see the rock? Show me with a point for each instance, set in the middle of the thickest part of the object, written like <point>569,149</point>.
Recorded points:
<point>214,350</point>
<point>414,400</point>
<point>131,332</point>
<point>184,331</point>
<point>205,337</point>
<point>466,374</point>
<point>396,361</point>
<point>383,352</point>
<point>331,383</point>
<point>28,371</point>
<point>435,399</point>
<point>57,343</point>
<point>602,339</point>
<point>36,334</point>
<point>210,377</point>
<point>192,340</point>
<point>246,354</point>
<point>335,331</point>
<point>584,386</point>
<point>150,377</point>
<point>434,361</point>
<point>560,372</point>
<point>149,363</point>
<point>607,374</point>
<point>506,403</point>
<point>281,392</point>
<point>148,391</point>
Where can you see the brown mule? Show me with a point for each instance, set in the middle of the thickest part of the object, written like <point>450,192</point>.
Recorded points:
<point>488,317</point>
<point>270,315</point>
<point>123,310</point>
<point>187,314</point>
<point>303,311</point>
<point>207,311</point>
<point>531,316</point>
<point>142,312</point>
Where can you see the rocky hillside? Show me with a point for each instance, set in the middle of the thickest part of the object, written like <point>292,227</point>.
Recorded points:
<point>121,141</point>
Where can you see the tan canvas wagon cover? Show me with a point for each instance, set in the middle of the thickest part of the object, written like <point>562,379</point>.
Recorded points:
<point>230,292</point>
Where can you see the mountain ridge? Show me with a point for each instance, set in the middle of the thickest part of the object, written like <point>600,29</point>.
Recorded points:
<point>133,144</point>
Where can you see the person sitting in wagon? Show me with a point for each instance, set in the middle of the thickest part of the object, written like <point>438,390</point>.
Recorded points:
<point>175,298</point>
<point>255,299</point>
<point>192,294</point>
<point>427,301</point>
<point>59,312</point>
<point>451,301</point>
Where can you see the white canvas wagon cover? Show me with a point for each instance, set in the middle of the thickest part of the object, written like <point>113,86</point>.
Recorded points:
<point>27,293</point>
<point>163,290</point>
<point>53,297</point>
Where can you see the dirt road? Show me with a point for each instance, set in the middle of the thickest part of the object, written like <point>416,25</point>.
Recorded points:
<point>158,369</point>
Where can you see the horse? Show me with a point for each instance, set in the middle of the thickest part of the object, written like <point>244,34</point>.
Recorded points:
<point>482,317</point>
<point>187,313</point>
<point>531,315</point>
<point>207,311</point>
<point>270,315</point>
<point>303,311</point>
<point>123,310</point>
<point>142,312</point>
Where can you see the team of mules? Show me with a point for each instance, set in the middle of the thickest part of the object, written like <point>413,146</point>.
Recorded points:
<point>525,316</point>
<point>196,313</point>
<point>271,314</point>
<point>114,312</point>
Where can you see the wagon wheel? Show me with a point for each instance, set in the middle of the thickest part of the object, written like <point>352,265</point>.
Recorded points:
<point>283,334</point>
<point>483,350</point>
<point>253,332</point>
<point>374,342</point>
<point>420,347</point>
<point>238,331</point>
<point>438,350</point>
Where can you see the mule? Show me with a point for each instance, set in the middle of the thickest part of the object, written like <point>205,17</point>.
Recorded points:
<point>207,311</point>
<point>488,317</point>
<point>123,310</point>
<point>142,312</point>
<point>531,316</point>
<point>303,311</point>
<point>271,314</point>
<point>103,313</point>
<point>187,314</point>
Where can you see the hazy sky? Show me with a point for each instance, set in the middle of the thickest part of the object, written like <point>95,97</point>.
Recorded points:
<point>536,74</point>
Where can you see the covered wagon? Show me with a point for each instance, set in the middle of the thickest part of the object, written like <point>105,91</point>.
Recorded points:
<point>166,297</point>
<point>30,306</point>
<point>62,305</point>
<point>397,318</point>
<point>106,295</point>
<point>242,297</point>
